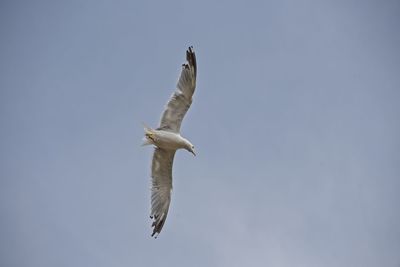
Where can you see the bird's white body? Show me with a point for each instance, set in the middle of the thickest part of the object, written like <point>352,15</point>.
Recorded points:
<point>165,139</point>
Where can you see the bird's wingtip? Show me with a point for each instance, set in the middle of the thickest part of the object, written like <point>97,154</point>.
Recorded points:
<point>191,58</point>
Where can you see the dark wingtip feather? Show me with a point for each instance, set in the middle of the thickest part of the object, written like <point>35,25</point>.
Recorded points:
<point>191,58</point>
<point>157,227</point>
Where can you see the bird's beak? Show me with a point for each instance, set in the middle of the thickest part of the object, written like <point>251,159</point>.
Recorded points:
<point>193,152</point>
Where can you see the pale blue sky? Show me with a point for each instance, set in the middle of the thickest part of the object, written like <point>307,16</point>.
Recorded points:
<point>295,121</point>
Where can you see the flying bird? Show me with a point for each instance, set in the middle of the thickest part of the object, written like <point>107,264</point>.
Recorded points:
<point>167,139</point>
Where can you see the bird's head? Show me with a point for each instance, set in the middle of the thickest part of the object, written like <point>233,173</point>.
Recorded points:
<point>190,148</point>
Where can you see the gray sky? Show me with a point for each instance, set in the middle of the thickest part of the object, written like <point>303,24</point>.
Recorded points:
<point>295,121</point>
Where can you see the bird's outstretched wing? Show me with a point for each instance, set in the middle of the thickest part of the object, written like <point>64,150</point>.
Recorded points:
<point>181,99</point>
<point>161,173</point>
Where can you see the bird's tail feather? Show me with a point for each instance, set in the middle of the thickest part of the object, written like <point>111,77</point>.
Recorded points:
<point>147,129</point>
<point>148,133</point>
<point>146,141</point>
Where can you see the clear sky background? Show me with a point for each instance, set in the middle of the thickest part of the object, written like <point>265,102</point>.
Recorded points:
<point>296,122</point>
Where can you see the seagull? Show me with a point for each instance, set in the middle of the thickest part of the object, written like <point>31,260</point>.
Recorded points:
<point>167,139</point>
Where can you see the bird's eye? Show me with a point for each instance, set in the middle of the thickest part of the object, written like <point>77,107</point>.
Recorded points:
<point>192,147</point>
